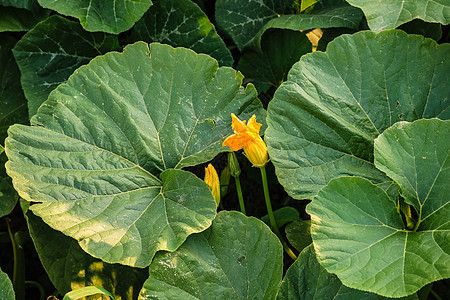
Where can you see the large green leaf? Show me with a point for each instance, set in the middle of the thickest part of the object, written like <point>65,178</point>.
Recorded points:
<point>242,19</point>
<point>322,121</point>
<point>306,279</point>
<point>6,287</point>
<point>100,142</point>
<point>13,110</point>
<point>388,14</point>
<point>27,4</point>
<point>280,50</point>
<point>181,23</point>
<point>417,156</point>
<point>236,258</point>
<point>99,15</point>
<point>360,237</point>
<point>49,53</point>
<point>70,268</point>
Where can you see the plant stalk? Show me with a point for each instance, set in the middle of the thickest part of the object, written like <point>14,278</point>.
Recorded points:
<point>273,222</point>
<point>239,192</point>
<point>19,266</point>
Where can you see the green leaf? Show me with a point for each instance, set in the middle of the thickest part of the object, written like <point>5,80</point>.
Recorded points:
<point>17,19</point>
<point>87,291</point>
<point>49,53</point>
<point>416,156</point>
<point>236,258</point>
<point>242,19</point>
<point>342,15</point>
<point>181,23</point>
<point>6,287</point>
<point>323,120</point>
<point>70,268</point>
<point>108,16</point>
<point>282,216</point>
<point>360,237</point>
<point>100,142</point>
<point>298,234</point>
<point>306,279</point>
<point>280,50</point>
<point>388,14</point>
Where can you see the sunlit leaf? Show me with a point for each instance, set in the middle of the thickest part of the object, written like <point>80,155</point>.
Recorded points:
<point>101,149</point>
<point>323,120</point>
<point>388,14</point>
<point>6,287</point>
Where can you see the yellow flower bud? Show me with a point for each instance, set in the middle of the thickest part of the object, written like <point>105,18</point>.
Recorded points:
<point>256,152</point>
<point>212,180</point>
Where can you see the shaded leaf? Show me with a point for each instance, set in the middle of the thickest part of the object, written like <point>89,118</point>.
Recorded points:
<point>306,279</point>
<point>236,258</point>
<point>70,268</point>
<point>49,53</point>
<point>17,19</point>
<point>298,234</point>
<point>102,147</point>
<point>322,121</point>
<point>282,216</point>
<point>27,4</point>
<point>181,23</point>
<point>242,19</point>
<point>6,287</point>
<point>280,50</point>
<point>416,156</point>
<point>360,237</point>
<point>389,14</point>
<point>111,17</point>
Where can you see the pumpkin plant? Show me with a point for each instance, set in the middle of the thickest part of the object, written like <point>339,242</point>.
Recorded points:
<point>123,123</point>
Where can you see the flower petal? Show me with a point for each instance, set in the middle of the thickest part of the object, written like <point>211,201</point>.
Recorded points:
<point>237,141</point>
<point>253,126</point>
<point>237,125</point>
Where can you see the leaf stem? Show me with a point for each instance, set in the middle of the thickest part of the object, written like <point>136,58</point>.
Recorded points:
<point>239,192</point>
<point>273,222</point>
<point>19,265</point>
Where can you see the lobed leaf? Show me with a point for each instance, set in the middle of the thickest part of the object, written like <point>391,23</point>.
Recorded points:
<point>236,258</point>
<point>416,156</point>
<point>323,120</point>
<point>101,151</point>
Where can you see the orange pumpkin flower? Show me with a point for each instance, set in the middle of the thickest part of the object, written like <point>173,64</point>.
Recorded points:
<point>247,136</point>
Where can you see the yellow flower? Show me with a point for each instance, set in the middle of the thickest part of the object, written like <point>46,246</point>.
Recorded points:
<point>212,180</point>
<point>247,136</point>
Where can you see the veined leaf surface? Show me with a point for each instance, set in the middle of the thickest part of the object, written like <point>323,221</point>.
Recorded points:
<point>236,258</point>
<point>389,14</point>
<point>103,150</point>
<point>6,287</point>
<point>99,15</point>
<point>356,229</point>
<point>323,120</point>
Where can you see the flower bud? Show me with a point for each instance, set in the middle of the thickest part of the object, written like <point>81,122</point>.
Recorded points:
<point>235,170</point>
<point>256,152</point>
<point>212,180</point>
